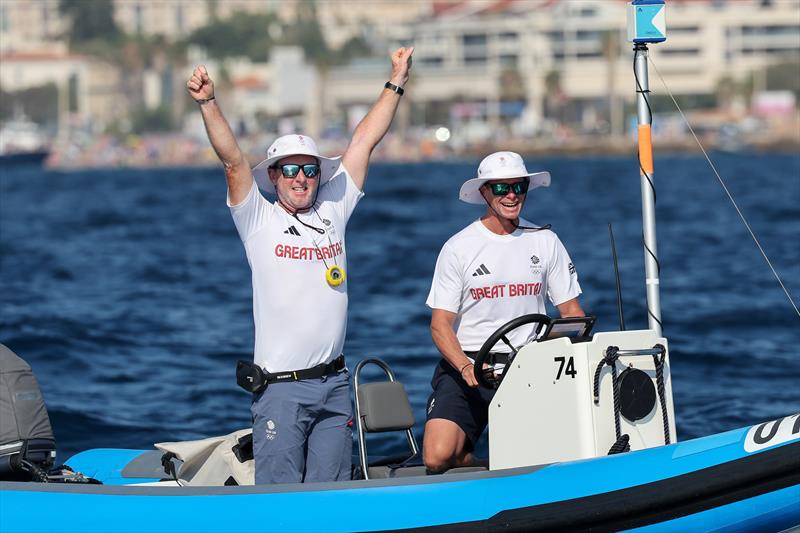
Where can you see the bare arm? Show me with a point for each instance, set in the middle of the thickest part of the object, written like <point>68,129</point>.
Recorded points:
<point>570,308</point>
<point>237,169</point>
<point>374,126</point>
<point>446,341</point>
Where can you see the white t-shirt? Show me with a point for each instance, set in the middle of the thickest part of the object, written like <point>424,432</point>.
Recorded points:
<point>489,279</point>
<point>300,320</point>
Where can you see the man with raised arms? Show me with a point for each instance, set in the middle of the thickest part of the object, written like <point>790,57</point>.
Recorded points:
<point>296,250</point>
<point>496,269</point>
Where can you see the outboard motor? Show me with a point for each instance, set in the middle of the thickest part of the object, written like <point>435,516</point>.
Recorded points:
<point>27,444</point>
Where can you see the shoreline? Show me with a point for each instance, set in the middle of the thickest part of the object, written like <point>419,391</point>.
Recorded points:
<point>395,151</point>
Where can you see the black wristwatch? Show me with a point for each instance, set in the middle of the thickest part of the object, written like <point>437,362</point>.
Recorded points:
<point>392,87</point>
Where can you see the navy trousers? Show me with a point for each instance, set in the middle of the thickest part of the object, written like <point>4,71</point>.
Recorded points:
<point>302,430</point>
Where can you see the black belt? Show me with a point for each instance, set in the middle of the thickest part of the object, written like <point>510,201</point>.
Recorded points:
<point>323,369</point>
<point>492,359</point>
<point>252,378</point>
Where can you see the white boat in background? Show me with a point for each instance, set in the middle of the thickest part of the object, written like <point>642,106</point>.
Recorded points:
<point>22,142</point>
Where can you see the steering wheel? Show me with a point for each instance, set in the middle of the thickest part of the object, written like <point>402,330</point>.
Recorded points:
<point>486,377</point>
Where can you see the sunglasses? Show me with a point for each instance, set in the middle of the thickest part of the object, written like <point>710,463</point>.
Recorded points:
<point>502,189</point>
<point>290,170</point>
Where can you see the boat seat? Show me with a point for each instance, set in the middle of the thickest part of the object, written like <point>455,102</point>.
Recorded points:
<point>383,407</point>
<point>466,469</point>
<point>388,472</point>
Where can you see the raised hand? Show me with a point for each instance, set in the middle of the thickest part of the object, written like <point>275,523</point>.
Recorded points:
<point>401,65</point>
<point>200,86</point>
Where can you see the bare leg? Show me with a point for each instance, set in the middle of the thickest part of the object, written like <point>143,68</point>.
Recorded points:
<point>444,446</point>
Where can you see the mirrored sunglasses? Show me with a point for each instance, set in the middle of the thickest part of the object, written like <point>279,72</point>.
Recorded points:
<point>502,189</point>
<point>290,170</point>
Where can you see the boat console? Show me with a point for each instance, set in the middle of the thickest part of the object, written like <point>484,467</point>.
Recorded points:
<point>571,397</point>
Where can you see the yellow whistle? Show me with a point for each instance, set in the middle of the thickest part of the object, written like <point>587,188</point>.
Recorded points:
<point>335,276</point>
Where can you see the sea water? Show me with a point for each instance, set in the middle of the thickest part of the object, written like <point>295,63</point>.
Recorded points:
<point>128,291</point>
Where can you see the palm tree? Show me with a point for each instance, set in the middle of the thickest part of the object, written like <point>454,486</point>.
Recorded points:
<point>725,91</point>
<point>512,86</point>
<point>316,50</point>
<point>553,94</point>
<point>611,41</point>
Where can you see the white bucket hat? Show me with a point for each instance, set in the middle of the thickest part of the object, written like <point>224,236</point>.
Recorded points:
<point>500,166</point>
<point>289,145</point>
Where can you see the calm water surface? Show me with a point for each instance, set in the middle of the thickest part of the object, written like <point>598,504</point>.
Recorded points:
<point>128,291</point>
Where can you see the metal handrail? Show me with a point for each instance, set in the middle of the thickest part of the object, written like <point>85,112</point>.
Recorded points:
<point>362,443</point>
<point>644,351</point>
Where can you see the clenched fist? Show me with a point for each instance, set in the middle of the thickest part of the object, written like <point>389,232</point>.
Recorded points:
<point>200,85</point>
<point>401,65</point>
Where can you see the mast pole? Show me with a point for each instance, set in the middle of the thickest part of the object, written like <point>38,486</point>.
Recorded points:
<point>647,24</point>
<point>647,182</point>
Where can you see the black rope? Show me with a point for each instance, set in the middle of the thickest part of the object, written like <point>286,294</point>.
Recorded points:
<point>318,230</point>
<point>610,359</point>
<point>659,364</point>
<point>658,272</point>
<point>621,446</point>
<point>169,466</point>
<point>37,473</point>
<point>65,474</point>
<point>636,49</point>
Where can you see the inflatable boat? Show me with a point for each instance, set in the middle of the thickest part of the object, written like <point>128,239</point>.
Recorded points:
<point>742,480</point>
<point>541,476</point>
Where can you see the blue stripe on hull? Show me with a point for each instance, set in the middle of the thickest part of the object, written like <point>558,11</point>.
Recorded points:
<point>379,505</point>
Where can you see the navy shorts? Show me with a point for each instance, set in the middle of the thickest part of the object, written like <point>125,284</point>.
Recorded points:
<point>454,400</point>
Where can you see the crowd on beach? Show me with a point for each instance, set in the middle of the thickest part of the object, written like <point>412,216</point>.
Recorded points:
<point>180,149</point>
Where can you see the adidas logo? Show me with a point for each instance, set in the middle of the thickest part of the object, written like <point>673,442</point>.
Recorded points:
<point>292,231</point>
<point>482,271</point>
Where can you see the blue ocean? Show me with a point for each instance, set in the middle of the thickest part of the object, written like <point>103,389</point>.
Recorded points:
<point>129,294</point>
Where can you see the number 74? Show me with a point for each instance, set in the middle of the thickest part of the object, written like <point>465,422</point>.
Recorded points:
<point>569,370</point>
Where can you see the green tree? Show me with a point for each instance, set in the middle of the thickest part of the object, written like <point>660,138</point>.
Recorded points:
<point>611,43</point>
<point>90,21</point>
<point>39,104</point>
<point>306,32</point>
<point>151,120</point>
<point>725,91</point>
<point>553,94</point>
<point>354,47</point>
<point>242,35</point>
<point>512,85</point>
<point>784,76</point>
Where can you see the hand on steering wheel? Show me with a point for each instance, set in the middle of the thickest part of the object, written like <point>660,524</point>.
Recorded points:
<point>486,377</point>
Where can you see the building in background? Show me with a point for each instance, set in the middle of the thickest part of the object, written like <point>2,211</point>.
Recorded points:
<point>485,70</point>
<point>522,62</point>
<point>32,25</point>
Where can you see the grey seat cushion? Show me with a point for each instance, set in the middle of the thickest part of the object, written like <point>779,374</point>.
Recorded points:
<point>383,472</point>
<point>384,406</point>
<point>465,469</point>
